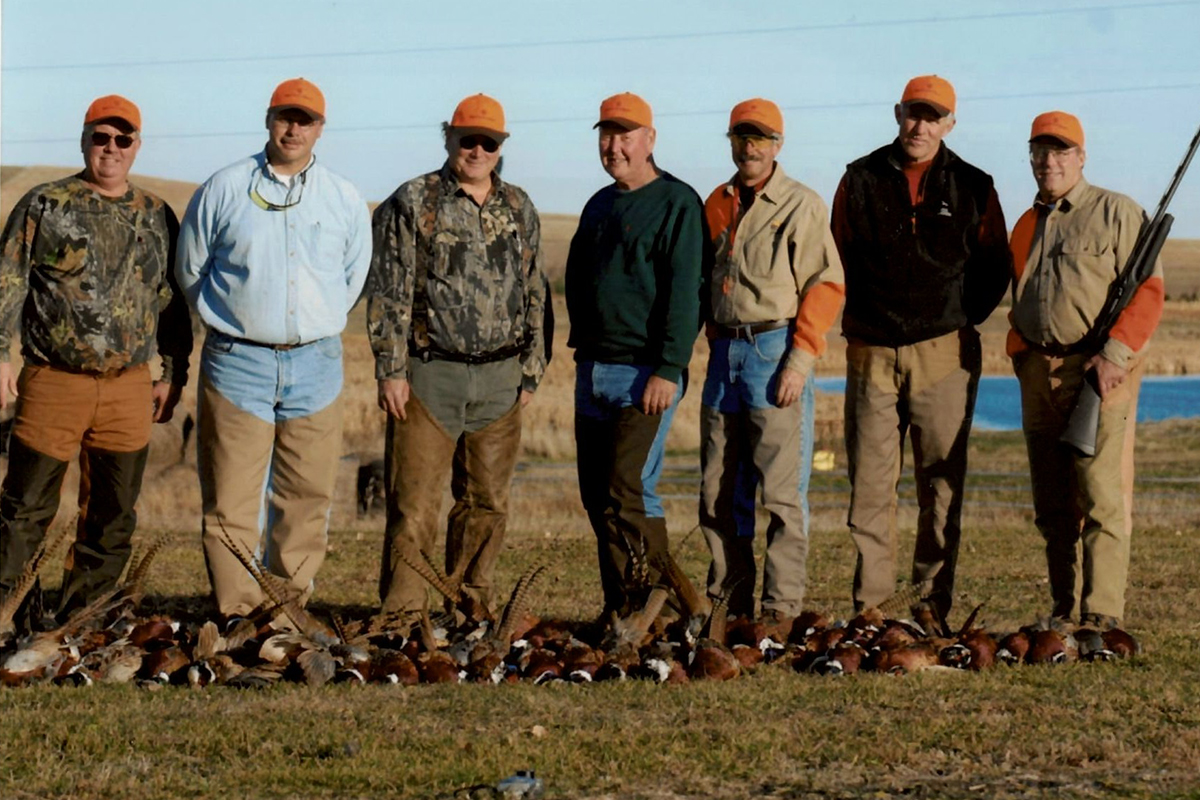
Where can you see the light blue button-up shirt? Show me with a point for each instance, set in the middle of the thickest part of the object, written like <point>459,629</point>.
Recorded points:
<point>285,276</point>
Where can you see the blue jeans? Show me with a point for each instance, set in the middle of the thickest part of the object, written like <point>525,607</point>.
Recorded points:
<point>749,442</point>
<point>274,385</point>
<point>602,390</point>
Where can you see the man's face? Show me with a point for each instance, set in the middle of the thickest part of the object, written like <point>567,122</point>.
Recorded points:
<point>473,156</point>
<point>753,153</point>
<point>922,128</point>
<point>1057,167</point>
<point>106,161</point>
<point>293,134</point>
<point>625,154</point>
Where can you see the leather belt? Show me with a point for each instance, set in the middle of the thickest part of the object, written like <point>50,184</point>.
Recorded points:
<point>279,347</point>
<point>749,331</point>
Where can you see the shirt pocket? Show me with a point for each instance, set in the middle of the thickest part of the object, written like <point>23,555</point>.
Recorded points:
<point>763,249</point>
<point>329,246</point>
<point>1085,263</point>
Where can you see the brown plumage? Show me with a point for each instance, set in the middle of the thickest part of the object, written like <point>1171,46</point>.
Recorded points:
<point>1050,647</point>
<point>29,577</point>
<point>713,661</point>
<point>909,658</point>
<point>437,667</point>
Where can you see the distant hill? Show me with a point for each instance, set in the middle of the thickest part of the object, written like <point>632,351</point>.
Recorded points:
<point>1181,257</point>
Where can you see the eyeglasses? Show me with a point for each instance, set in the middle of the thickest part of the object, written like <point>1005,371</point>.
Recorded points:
<point>1040,152</point>
<point>123,141</point>
<point>266,204</point>
<point>756,139</point>
<point>488,144</point>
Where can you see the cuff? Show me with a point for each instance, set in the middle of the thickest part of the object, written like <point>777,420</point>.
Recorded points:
<point>800,360</point>
<point>529,383</point>
<point>669,372</point>
<point>390,368</point>
<point>1117,352</point>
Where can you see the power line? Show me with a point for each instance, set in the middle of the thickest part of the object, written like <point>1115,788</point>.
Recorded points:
<point>600,40</point>
<point>670,114</point>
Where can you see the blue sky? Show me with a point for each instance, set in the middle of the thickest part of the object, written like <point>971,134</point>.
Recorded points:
<point>202,73</point>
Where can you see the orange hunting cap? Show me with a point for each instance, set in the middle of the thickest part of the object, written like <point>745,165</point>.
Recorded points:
<point>627,110</point>
<point>480,114</point>
<point>113,106</point>
<point>301,94</point>
<point>762,114</point>
<point>1058,125</point>
<point>932,91</point>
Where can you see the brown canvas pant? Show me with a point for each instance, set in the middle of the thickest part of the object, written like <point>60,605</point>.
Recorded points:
<point>773,437</point>
<point>928,388</point>
<point>1083,506</point>
<point>235,451</point>
<point>58,414</point>
<point>420,455</point>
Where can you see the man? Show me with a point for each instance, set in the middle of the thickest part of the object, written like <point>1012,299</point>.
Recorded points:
<point>922,239</point>
<point>633,292</point>
<point>1067,250</point>
<point>454,312</point>
<point>274,251</point>
<point>775,290</point>
<point>86,270</point>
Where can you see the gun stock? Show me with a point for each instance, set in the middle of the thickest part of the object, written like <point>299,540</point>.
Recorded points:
<point>1084,422</point>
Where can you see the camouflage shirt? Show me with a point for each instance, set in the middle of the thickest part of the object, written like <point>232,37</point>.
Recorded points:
<point>91,281</point>
<point>484,290</point>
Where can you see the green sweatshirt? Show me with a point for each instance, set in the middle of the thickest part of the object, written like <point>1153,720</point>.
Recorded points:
<point>633,276</point>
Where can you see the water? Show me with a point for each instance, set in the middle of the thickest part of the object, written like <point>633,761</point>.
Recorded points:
<point>999,405</point>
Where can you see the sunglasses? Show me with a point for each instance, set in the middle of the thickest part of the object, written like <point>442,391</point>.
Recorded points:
<point>101,139</point>
<point>488,144</point>
<point>265,204</point>
<point>756,139</point>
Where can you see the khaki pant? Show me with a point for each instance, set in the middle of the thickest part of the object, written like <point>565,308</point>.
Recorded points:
<point>236,450</point>
<point>1083,506</point>
<point>928,388</point>
<point>772,436</point>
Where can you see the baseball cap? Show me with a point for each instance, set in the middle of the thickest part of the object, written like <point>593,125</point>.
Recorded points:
<point>301,94</point>
<point>627,110</point>
<point>762,114</point>
<point>482,114</point>
<point>1059,125</point>
<point>113,105</point>
<point>931,90</point>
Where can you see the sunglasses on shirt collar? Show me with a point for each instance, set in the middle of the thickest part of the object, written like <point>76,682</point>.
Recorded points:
<point>266,204</point>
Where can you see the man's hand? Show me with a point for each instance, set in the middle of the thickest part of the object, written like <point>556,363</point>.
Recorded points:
<point>8,384</point>
<point>658,394</point>
<point>1108,375</point>
<point>526,397</point>
<point>789,387</point>
<point>166,397</point>
<point>393,397</point>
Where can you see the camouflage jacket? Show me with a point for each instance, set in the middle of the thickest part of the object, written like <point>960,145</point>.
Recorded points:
<point>91,281</point>
<point>484,288</point>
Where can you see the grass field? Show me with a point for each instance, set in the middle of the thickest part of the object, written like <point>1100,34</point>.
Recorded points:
<point>1085,730</point>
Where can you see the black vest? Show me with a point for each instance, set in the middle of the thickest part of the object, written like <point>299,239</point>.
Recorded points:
<point>906,267</point>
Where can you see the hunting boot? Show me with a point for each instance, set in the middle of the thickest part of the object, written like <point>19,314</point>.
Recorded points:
<point>418,455</point>
<point>98,557</point>
<point>483,471</point>
<point>28,503</point>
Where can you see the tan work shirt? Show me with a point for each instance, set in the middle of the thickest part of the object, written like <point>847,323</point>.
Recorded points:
<point>1078,247</point>
<point>776,261</point>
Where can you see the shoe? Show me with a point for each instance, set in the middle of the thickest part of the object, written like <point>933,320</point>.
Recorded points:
<point>1101,622</point>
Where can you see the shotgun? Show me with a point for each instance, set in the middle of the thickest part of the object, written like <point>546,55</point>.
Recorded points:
<point>1084,421</point>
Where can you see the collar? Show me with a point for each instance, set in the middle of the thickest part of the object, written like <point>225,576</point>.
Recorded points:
<point>269,170</point>
<point>1067,201</point>
<point>766,190</point>
<point>451,185</point>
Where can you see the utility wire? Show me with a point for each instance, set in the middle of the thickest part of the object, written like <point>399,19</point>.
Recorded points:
<point>601,40</point>
<point>692,113</point>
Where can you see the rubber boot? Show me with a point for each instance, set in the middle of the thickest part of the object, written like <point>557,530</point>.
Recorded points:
<point>483,469</point>
<point>419,453</point>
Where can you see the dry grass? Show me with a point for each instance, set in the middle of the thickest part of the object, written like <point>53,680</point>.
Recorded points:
<point>1130,728</point>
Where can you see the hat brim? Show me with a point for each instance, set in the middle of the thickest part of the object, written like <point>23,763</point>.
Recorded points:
<point>310,111</point>
<point>762,128</point>
<point>938,107</point>
<point>470,130</point>
<point>624,122</point>
<point>109,119</point>
<point>1058,137</point>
